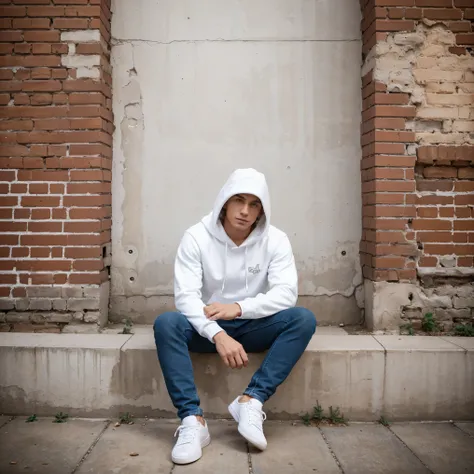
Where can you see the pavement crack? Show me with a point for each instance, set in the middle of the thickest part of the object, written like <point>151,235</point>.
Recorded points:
<point>406,446</point>
<point>333,454</point>
<point>249,459</point>
<point>91,447</point>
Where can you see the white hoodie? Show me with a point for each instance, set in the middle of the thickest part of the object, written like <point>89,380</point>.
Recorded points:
<point>260,274</point>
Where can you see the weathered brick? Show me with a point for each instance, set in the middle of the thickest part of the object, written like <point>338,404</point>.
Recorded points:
<point>80,304</point>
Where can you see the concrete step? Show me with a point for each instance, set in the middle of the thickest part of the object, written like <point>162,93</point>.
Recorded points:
<point>399,377</point>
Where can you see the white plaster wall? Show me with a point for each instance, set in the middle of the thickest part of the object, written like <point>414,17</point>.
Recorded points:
<point>201,88</point>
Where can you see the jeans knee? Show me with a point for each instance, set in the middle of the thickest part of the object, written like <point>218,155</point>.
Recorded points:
<point>306,320</point>
<point>168,322</point>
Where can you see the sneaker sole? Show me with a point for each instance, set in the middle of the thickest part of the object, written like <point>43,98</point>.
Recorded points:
<point>205,443</point>
<point>235,416</point>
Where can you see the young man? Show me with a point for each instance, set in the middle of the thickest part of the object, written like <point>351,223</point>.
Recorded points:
<point>235,290</point>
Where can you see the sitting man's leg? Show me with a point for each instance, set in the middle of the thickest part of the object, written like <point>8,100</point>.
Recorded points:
<point>174,336</point>
<point>286,335</point>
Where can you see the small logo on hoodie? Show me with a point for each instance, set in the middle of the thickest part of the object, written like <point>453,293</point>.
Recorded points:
<point>255,270</point>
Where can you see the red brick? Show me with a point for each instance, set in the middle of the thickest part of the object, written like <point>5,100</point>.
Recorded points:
<point>440,172</point>
<point>434,3</point>
<point>13,36</point>
<point>396,13</point>
<point>457,50</point>
<point>12,227</point>
<point>88,265</point>
<point>465,262</point>
<point>82,227</point>
<point>90,213</point>
<point>40,213</point>
<point>7,279</point>
<point>466,173</point>
<point>40,252</point>
<point>43,240</point>
<point>8,201</point>
<point>60,213</point>
<point>394,25</point>
<point>70,23</point>
<point>394,136</point>
<point>89,11</point>
<point>22,213</point>
<point>85,278</point>
<point>459,26</point>
<point>394,3</point>
<point>44,265</point>
<point>40,201</point>
<point>41,86</point>
<point>83,252</point>
<point>434,236</point>
<point>428,261</point>
<point>38,188</point>
<point>442,14</point>
<point>45,11</point>
<point>86,201</point>
<point>42,36</point>
<point>89,48</point>
<point>465,38</point>
<point>45,227</point>
<point>464,224</point>
<point>83,98</point>
<point>70,2</point>
<point>31,23</point>
<point>41,99</point>
<point>432,224</point>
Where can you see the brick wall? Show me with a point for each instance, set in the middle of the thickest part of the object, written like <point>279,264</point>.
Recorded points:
<point>55,162</point>
<point>418,154</point>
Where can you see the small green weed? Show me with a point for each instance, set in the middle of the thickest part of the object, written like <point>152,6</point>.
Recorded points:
<point>335,416</point>
<point>31,419</point>
<point>126,418</point>
<point>383,421</point>
<point>127,329</point>
<point>60,417</point>
<point>306,419</point>
<point>464,330</point>
<point>318,412</point>
<point>407,328</point>
<point>429,324</point>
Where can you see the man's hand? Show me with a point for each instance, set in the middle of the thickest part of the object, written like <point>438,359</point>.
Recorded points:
<point>217,311</point>
<point>231,351</point>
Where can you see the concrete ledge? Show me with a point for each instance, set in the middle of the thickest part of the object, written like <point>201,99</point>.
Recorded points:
<point>400,377</point>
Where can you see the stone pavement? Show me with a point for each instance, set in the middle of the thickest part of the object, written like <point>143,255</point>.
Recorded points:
<point>98,446</point>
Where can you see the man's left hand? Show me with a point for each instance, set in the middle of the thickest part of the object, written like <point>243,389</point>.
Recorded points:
<point>217,311</point>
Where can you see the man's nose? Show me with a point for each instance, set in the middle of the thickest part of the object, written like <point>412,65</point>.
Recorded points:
<point>245,209</point>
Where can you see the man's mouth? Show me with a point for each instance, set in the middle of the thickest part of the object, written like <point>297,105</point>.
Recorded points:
<point>243,221</point>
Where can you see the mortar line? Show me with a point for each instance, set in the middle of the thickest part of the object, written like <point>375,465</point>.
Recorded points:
<point>454,423</point>
<point>339,465</point>
<point>406,446</point>
<point>118,41</point>
<point>91,447</point>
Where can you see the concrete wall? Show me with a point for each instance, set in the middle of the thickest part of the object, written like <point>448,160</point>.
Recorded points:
<point>203,88</point>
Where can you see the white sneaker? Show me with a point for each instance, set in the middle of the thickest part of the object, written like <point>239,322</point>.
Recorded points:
<point>250,417</point>
<point>193,436</point>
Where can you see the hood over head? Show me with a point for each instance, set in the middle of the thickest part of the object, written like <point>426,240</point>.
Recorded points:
<point>241,181</point>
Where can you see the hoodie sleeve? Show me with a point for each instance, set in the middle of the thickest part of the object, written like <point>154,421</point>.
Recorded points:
<point>187,287</point>
<point>282,283</point>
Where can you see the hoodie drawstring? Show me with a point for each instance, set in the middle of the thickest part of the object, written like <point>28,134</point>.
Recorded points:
<point>225,269</point>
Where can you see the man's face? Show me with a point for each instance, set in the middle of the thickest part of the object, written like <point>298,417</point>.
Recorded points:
<point>242,210</point>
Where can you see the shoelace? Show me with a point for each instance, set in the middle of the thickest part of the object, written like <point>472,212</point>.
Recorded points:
<point>186,434</point>
<point>256,416</point>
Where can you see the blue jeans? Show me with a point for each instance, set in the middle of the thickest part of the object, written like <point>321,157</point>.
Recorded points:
<point>286,335</point>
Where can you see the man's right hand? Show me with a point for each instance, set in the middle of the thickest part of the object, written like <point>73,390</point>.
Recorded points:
<point>231,351</point>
